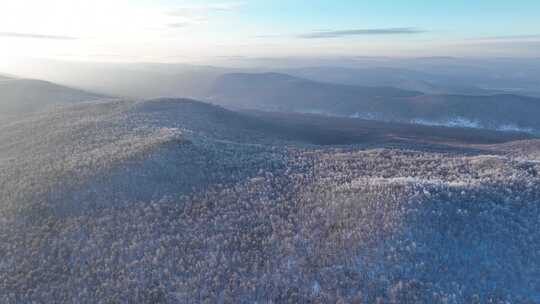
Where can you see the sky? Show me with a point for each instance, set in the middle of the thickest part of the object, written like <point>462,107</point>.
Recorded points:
<point>181,30</point>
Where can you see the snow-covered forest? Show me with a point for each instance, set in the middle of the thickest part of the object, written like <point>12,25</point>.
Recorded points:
<point>177,201</point>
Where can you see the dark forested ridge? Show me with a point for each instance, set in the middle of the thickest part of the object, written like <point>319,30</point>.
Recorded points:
<point>280,92</point>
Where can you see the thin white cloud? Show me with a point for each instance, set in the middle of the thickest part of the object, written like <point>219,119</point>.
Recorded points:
<point>507,38</point>
<point>35,36</point>
<point>191,10</point>
<point>362,32</point>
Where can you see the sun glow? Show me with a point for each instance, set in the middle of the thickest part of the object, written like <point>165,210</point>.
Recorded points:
<point>63,28</point>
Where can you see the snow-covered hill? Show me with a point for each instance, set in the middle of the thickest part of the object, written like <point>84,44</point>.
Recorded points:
<point>178,201</point>
<point>122,150</point>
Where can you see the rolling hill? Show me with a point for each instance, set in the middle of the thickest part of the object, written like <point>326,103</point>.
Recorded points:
<point>22,96</point>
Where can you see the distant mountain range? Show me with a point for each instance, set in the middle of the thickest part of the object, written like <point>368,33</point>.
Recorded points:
<point>281,92</point>
<point>278,92</point>
<point>287,93</point>
<point>143,80</point>
<point>425,82</point>
<point>437,75</point>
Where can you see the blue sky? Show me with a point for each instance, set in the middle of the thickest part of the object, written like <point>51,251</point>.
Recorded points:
<point>169,30</point>
<point>465,18</point>
<point>459,18</point>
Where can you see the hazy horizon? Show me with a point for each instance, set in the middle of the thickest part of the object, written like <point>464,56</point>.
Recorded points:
<point>186,31</point>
